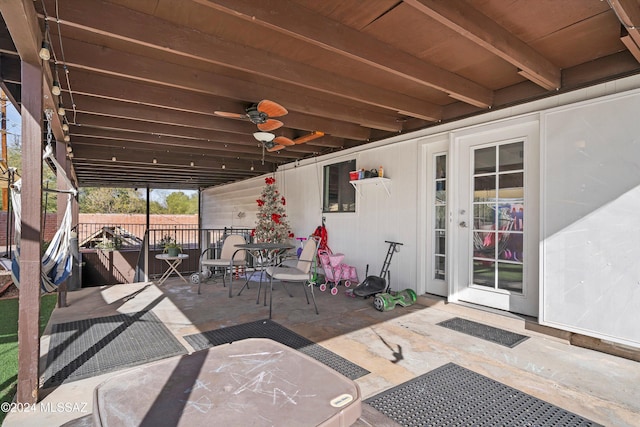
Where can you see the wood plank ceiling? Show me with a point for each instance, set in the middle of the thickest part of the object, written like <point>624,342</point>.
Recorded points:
<point>141,79</point>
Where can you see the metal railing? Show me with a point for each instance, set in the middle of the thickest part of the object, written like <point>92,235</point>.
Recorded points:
<point>133,237</point>
<point>121,235</point>
<point>192,242</point>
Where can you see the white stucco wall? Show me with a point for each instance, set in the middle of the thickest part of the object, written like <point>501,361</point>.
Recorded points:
<point>590,224</point>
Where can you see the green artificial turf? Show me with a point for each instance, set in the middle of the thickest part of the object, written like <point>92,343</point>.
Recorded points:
<point>9,343</point>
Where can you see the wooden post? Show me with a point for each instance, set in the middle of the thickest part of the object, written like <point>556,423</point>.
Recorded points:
<point>30,244</point>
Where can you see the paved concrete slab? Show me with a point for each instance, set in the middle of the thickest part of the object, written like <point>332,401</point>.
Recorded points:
<point>395,346</point>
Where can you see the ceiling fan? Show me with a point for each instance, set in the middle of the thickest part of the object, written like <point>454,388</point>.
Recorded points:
<point>260,114</point>
<point>275,143</point>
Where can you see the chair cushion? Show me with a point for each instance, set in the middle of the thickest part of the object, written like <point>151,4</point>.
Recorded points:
<point>222,262</point>
<point>287,273</point>
<point>307,256</point>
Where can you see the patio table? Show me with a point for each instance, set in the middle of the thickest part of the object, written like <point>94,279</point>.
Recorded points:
<point>173,262</point>
<point>267,253</point>
<point>256,381</point>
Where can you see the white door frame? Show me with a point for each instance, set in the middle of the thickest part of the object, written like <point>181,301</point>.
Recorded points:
<point>526,128</point>
<point>428,147</point>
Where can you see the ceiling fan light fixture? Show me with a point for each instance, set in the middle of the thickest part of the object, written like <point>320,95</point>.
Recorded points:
<point>264,136</point>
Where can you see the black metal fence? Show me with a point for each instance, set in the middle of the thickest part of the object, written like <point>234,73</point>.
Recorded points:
<point>191,240</point>
<point>192,243</point>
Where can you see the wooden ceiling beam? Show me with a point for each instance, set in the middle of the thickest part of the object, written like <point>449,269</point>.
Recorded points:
<point>21,20</point>
<point>160,176</point>
<point>121,23</point>
<point>154,181</point>
<point>81,55</point>
<point>628,13</point>
<point>299,22</point>
<point>179,162</point>
<point>162,129</point>
<point>462,18</point>
<point>139,163</point>
<point>150,114</point>
<point>157,129</point>
<point>348,120</point>
<point>101,168</point>
<point>136,110</point>
<point>227,143</point>
<point>153,149</point>
<point>630,43</point>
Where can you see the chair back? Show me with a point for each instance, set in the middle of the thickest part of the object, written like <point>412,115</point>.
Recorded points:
<point>228,247</point>
<point>307,255</point>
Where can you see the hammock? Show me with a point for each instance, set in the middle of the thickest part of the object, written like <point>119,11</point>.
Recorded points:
<point>57,259</point>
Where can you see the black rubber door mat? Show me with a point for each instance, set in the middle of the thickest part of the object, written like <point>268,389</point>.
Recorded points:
<point>276,332</point>
<point>455,396</point>
<point>486,332</point>
<point>91,347</point>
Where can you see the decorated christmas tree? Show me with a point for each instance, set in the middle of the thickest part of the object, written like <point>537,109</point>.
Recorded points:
<point>272,225</point>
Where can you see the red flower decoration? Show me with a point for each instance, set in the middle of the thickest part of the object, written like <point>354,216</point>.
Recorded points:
<point>284,202</point>
<point>275,218</point>
<point>253,232</point>
<point>270,180</point>
<point>260,202</point>
<point>291,235</point>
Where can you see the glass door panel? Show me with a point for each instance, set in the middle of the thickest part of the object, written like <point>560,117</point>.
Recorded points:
<point>498,206</point>
<point>440,215</point>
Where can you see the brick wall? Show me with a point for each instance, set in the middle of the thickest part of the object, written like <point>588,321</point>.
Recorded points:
<point>51,225</point>
<point>137,219</point>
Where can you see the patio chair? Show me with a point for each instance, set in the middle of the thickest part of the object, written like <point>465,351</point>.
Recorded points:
<point>207,261</point>
<point>301,272</point>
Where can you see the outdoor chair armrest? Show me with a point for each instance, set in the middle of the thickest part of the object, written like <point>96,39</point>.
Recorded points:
<point>292,258</point>
<point>205,252</point>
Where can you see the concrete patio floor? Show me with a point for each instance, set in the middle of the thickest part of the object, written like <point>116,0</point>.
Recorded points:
<point>395,346</point>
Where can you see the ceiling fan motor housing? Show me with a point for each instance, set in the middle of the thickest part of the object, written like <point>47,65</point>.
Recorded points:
<point>256,117</point>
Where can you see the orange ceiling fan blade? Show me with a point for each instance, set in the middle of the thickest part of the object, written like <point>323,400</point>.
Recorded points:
<point>275,148</point>
<point>230,115</point>
<point>309,137</point>
<point>271,109</point>
<point>269,125</point>
<point>283,140</point>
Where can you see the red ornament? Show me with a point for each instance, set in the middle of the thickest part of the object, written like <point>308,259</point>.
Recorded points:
<point>284,202</point>
<point>260,202</point>
<point>270,180</point>
<point>291,235</point>
<point>275,218</point>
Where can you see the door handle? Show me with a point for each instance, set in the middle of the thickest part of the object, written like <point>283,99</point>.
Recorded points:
<point>463,224</point>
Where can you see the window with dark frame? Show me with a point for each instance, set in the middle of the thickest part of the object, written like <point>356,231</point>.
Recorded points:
<point>338,194</point>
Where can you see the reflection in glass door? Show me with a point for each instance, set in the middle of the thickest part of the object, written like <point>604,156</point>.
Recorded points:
<point>498,217</point>
<point>440,215</point>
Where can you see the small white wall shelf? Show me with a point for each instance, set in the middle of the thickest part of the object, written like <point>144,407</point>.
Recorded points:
<point>385,182</point>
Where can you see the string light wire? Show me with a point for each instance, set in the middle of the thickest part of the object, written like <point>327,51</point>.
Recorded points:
<point>62,60</point>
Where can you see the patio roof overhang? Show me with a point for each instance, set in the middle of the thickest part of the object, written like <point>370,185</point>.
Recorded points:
<point>141,80</point>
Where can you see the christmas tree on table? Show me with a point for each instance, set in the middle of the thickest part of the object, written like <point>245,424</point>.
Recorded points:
<point>272,225</point>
